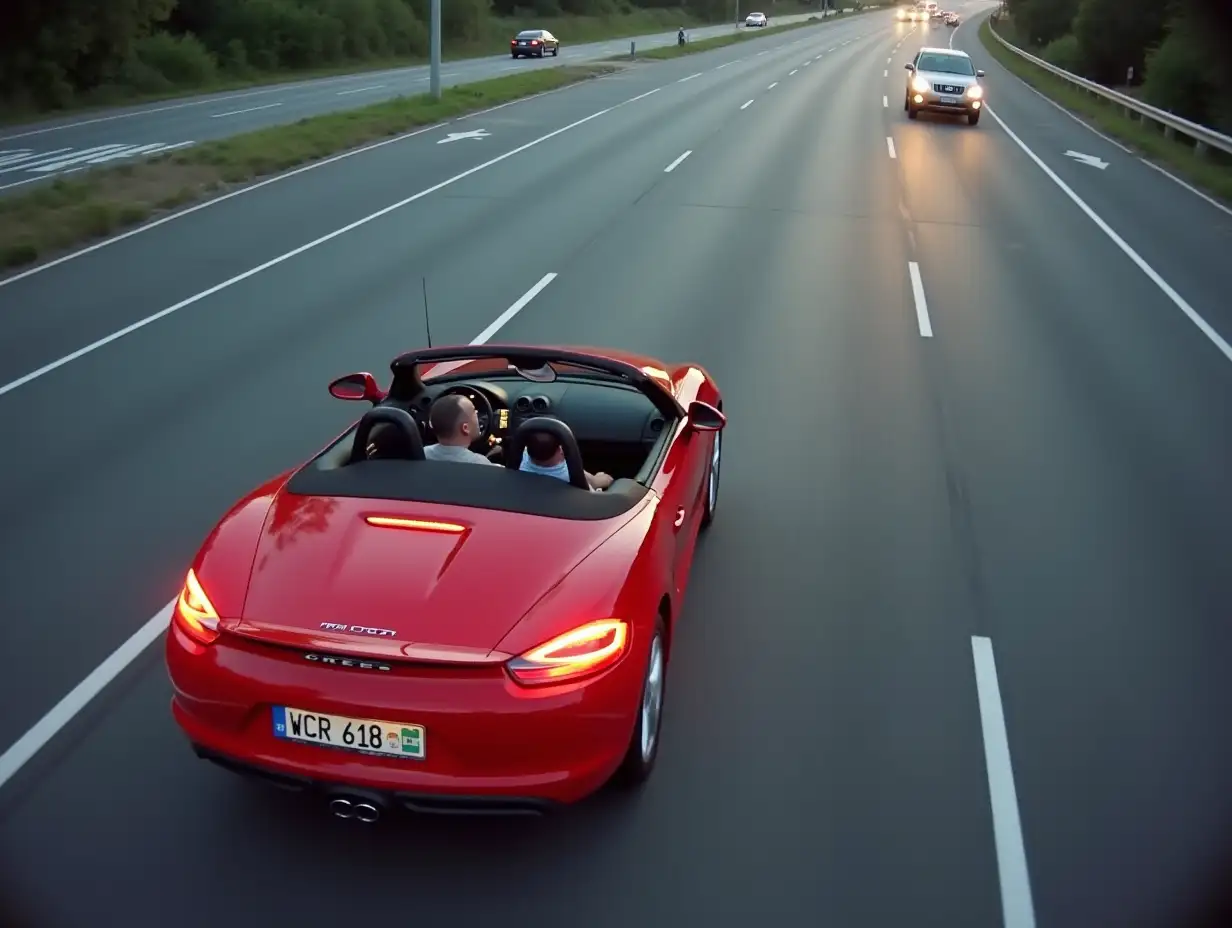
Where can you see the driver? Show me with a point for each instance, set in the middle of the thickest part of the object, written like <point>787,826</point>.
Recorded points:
<point>456,423</point>
<point>544,455</point>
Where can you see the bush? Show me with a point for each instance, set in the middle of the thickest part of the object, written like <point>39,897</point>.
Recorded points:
<point>1064,53</point>
<point>182,60</point>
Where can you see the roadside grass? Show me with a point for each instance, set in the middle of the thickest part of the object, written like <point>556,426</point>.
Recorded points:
<point>493,39</point>
<point>1211,173</point>
<point>67,212</point>
<point>721,41</point>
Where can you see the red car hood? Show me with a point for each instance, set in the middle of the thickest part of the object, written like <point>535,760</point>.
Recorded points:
<point>447,595</point>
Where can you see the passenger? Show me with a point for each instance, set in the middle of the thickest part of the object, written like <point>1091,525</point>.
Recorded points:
<point>544,455</point>
<point>456,423</point>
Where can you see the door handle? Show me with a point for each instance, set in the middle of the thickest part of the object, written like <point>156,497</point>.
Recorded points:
<point>679,518</point>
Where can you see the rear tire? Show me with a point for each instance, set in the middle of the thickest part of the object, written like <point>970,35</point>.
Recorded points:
<point>639,760</point>
<point>713,479</point>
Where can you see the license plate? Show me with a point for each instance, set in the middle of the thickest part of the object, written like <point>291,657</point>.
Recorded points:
<point>950,101</point>
<point>365,736</point>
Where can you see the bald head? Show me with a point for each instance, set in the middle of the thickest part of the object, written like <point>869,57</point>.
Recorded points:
<point>454,420</point>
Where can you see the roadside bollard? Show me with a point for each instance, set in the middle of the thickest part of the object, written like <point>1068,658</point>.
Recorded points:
<point>632,49</point>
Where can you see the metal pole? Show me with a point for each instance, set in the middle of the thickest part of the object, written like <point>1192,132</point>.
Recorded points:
<point>435,27</point>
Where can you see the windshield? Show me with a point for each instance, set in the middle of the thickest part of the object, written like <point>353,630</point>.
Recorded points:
<point>946,64</point>
<point>530,34</point>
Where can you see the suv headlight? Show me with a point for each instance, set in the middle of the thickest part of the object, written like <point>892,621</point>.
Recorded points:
<point>919,85</point>
<point>975,92</point>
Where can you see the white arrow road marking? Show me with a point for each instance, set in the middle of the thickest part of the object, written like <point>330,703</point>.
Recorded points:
<point>1089,160</point>
<point>459,136</point>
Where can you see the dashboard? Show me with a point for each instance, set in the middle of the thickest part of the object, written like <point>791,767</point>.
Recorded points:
<point>595,411</point>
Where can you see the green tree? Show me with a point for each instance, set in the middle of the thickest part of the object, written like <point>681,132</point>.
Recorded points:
<point>1114,35</point>
<point>1041,22</point>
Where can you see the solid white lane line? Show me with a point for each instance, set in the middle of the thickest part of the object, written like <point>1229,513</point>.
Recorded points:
<point>921,304</point>
<point>46,728</point>
<point>747,105</point>
<point>1017,909</point>
<point>1179,301</point>
<point>251,109</point>
<point>890,146</point>
<point>772,86</point>
<point>28,180</point>
<point>675,164</point>
<point>295,252</point>
<point>1194,190</point>
<point>80,696</point>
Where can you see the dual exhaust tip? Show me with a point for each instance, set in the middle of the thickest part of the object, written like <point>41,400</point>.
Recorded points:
<point>355,808</point>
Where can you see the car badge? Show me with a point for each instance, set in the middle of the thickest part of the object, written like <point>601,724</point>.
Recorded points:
<point>335,661</point>
<point>358,630</point>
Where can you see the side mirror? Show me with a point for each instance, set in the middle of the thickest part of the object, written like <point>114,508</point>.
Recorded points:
<point>909,66</point>
<point>705,418</point>
<point>979,73</point>
<point>357,387</point>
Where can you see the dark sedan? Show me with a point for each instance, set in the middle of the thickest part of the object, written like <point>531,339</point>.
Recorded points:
<point>534,43</point>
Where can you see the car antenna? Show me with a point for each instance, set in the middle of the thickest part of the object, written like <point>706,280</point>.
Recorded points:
<point>427,320</point>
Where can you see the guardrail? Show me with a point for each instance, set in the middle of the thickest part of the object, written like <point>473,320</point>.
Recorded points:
<point>1204,137</point>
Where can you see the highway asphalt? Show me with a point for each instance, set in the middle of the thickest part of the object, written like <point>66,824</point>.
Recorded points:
<point>38,151</point>
<point>969,433</point>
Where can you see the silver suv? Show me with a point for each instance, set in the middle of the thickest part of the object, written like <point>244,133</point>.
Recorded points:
<point>944,81</point>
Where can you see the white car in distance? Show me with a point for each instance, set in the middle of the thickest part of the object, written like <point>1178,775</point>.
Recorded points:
<point>756,20</point>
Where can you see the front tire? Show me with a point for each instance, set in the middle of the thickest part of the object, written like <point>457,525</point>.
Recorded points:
<point>643,751</point>
<point>973,118</point>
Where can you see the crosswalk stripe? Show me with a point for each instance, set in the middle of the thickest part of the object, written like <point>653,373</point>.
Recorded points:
<point>70,160</point>
<point>80,155</point>
<point>39,158</point>
<point>11,157</point>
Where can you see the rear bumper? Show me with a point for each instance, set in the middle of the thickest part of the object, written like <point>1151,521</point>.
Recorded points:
<point>489,741</point>
<point>421,803</point>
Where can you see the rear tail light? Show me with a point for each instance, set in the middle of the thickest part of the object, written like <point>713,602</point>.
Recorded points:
<point>534,41</point>
<point>194,613</point>
<point>582,652</point>
<point>513,41</point>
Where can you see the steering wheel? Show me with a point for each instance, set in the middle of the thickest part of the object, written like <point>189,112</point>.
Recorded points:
<point>483,409</point>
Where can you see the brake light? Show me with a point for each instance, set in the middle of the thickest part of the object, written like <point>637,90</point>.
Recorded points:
<point>418,525</point>
<point>534,41</point>
<point>582,652</point>
<point>513,41</point>
<point>194,612</point>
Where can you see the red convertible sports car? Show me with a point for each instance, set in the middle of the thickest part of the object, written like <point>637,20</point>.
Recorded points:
<point>389,631</point>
